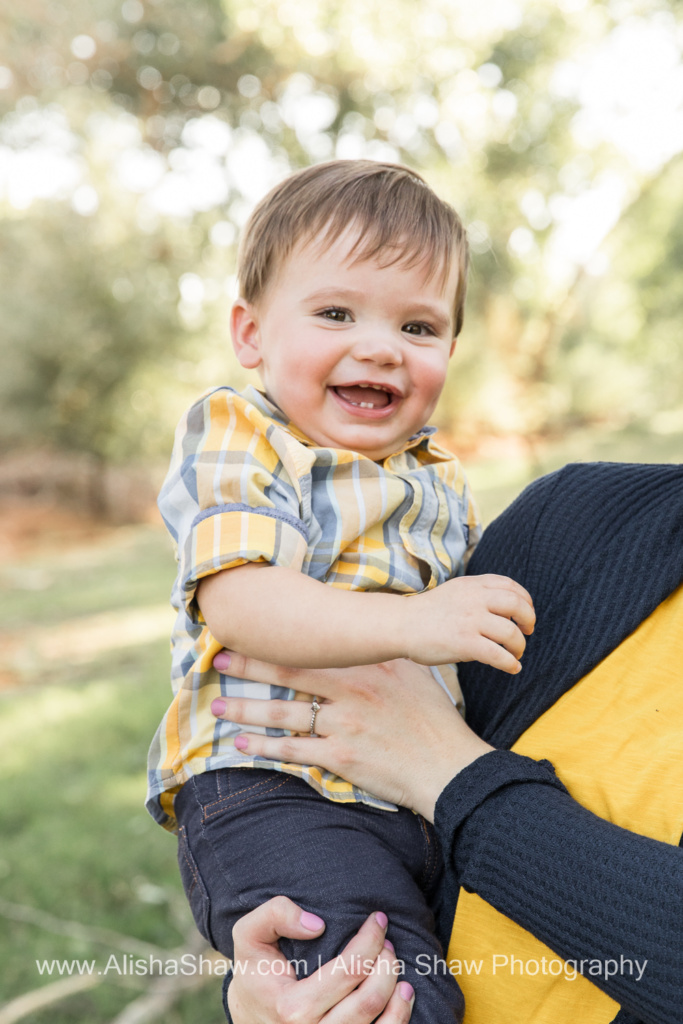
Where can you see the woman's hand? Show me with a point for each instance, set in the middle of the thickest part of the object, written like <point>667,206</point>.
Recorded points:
<point>265,990</point>
<point>388,728</point>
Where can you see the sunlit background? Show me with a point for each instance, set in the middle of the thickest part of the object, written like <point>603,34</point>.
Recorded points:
<point>135,137</point>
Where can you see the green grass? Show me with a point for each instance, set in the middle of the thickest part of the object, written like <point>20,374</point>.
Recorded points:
<point>76,840</point>
<point>134,567</point>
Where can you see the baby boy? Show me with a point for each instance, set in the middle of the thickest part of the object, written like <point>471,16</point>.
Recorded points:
<point>304,514</point>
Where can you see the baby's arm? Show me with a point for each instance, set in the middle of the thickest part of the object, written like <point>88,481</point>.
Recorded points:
<point>277,614</point>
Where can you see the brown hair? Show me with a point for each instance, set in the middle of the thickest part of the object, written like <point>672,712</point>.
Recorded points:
<point>392,207</point>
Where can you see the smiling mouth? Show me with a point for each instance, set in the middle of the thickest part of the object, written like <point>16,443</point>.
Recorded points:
<point>366,396</point>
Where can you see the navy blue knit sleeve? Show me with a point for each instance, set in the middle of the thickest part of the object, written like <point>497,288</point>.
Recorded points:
<point>587,888</point>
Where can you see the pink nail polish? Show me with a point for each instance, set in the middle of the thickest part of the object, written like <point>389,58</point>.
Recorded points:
<point>389,945</point>
<point>222,661</point>
<point>218,707</point>
<point>241,742</point>
<point>381,919</point>
<point>406,990</point>
<point>311,921</point>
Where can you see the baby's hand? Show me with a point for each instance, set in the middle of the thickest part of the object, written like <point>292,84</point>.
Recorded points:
<point>471,618</point>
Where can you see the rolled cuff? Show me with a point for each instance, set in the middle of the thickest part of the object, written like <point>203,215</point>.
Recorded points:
<point>481,779</point>
<point>230,535</point>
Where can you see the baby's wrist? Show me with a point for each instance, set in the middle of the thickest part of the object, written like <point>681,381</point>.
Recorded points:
<point>403,627</point>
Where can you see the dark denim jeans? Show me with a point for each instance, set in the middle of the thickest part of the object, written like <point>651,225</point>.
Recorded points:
<point>247,834</point>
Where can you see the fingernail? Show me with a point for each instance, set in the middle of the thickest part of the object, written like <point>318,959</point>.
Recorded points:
<point>222,661</point>
<point>406,990</point>
<point>218,707</point>
<point>381,919</point>
<point>389,945</point>
<point>311,921</point>
<point>241,742</point>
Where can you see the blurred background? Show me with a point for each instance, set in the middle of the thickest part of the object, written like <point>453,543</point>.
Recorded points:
<point>135,137</point>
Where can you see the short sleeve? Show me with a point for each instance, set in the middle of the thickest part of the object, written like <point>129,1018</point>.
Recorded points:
<point>229,497</point>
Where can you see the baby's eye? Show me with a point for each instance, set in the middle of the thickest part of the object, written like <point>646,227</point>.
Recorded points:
<point>418,329</point>
<point>336,315</point>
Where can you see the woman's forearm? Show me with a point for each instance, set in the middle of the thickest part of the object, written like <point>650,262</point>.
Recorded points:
<point>587,888</point>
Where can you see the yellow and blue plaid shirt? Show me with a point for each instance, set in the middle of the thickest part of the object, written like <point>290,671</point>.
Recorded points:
<point>245,485</point>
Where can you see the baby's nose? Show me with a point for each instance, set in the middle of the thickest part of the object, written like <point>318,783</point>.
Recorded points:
<point>379,347</point>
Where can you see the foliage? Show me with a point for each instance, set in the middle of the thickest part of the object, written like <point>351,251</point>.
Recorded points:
<point>163,121</point>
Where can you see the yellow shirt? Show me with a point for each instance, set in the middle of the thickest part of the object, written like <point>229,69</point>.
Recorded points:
<point>615,740</point>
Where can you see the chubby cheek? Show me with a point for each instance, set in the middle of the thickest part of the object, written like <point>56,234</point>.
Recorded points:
<point>428,375</point>
<point>294,370</point>
<point>298,383</point>
<point>307,355</point>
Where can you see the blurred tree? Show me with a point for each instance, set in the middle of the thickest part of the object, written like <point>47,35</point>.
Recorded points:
<point>83,311</point>
<point>621,350</point>
<point>135,136</point>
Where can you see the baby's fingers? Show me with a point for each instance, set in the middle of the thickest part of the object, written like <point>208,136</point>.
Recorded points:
<point>510,605</point>
<point>506,633</point>
<point>494,582</point>
<point>489,652</point>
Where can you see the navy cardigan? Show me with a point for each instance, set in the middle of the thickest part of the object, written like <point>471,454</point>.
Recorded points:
<point>598,546</point>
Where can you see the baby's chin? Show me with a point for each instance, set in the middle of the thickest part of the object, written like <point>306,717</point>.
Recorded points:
<point>375,439</point>
<point>353,441</point>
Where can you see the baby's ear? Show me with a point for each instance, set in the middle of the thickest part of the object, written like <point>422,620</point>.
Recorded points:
<point>246,337</point>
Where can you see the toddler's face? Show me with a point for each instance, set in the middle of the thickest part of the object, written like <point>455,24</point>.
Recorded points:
<point>355,354</point>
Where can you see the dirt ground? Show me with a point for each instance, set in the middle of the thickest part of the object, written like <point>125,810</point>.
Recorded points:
<point>29,529</point>
<point>33,537</point>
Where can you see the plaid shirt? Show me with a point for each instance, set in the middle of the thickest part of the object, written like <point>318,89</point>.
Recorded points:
<point>245,485</point>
